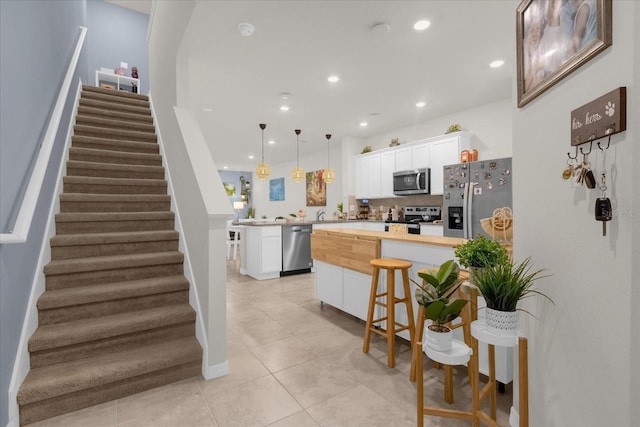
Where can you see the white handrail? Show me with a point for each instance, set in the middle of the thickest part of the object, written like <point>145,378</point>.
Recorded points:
<point>28,207</point>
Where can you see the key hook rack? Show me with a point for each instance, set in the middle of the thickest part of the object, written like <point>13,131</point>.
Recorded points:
<point>586,153</point>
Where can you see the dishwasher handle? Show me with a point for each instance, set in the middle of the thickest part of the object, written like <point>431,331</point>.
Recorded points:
<point>301,229</point>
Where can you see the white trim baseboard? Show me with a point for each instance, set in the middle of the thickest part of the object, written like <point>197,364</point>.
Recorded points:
<point>514,417</point>
<point>215,371</point>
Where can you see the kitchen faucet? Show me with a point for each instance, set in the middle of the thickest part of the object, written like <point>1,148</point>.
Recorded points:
<point>320,215</point>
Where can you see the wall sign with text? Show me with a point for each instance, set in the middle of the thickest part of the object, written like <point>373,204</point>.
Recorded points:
<point>601,117</point>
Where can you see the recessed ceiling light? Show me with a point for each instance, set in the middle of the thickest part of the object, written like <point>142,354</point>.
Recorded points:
<point>251,156</point>
<point>421,25</point>
<point>285,95</point>
<point>363,124</point>
<point>284,108</point>
<point>497,63</point>
<point>271,142</point>
<point>225,167</point>
<point>207,109</point>
<point>333,79</point>
<point>421,104</point>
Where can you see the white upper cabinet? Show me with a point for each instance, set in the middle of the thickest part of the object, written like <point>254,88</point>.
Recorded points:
<point>413,156</point>
<point>446,151</point>
<point>374,171</point>
<point>387,168</point>
<point>367,179</point>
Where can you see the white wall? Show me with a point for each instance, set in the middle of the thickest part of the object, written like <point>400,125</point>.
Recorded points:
<point>295,193</point>
<point>580,350</point>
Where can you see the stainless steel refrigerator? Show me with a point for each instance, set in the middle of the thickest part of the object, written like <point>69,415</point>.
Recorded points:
<point>477,199</point>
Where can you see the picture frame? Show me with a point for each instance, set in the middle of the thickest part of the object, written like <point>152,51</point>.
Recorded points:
<point>276,189</point>
<point>316,188</point>
<point>555,38</point>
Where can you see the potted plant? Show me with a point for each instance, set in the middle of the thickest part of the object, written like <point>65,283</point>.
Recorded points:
<point>340,210</point>
<point>432,294</point>
<point>480,252</point>
<point>503,285</point>
<point>394,142</point>
<point>366,149</point>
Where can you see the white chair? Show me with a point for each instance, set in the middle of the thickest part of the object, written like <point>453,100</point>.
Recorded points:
<point>233,240</point>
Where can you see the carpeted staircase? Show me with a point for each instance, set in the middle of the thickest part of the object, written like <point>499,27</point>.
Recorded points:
<point>115,317</point>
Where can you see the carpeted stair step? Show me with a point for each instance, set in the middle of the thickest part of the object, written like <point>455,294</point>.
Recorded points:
<point>115,243</point>
<point>68,273</point>
<point>99,185</point>
<point>114,144</point>
<point>65,305</point>
<point>108,170</point>
<point>53,390</point>
<point>59,335</point>
<point>110,156</point>
<point>88,90</point>
<point>107,123</point>
<point>76,223</point>
<point>77,202</point>
<point>114,115</point>
<point>117,97</point>
<point>122,134</point>
<point>133,110</point>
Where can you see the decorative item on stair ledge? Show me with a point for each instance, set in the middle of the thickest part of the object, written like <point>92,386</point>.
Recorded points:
<point>502,286</point>
<point>432,295</point>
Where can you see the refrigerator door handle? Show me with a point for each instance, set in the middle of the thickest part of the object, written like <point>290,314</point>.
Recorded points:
<point>465,211</point>
<point>469,211</point>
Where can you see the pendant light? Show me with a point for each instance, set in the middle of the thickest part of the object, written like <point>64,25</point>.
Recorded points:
<point>263,169</point>
<point>329,175</point>
<point>297,173</point>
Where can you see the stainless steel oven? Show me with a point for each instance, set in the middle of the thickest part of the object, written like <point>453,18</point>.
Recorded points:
<point>415,181</point>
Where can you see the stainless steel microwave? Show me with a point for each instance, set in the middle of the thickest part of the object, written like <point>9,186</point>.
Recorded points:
<point>415,181</point>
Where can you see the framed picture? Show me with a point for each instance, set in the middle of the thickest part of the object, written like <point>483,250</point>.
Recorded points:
<point>554,38</point>
<point>316,189</point>
<point>276,189</point>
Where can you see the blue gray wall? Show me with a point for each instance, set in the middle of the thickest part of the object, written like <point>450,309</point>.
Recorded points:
<point>117,35</point>
<point>36,43</point>
<point>37,39</point>
<point>233,177</point>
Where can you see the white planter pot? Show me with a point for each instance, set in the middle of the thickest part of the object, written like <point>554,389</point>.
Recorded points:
<point>439,341</point>
<point>502,322</point>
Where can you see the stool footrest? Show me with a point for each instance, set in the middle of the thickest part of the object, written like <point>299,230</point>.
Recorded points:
<point>378,320</point>
<point>449,413</point>
<point>382,332</point>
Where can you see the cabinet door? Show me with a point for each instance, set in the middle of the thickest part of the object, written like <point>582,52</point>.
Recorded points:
<point>329,283</point>
<point>442,153</point>
<point>271,249</point>
<point>375,181</point>
<point>387,167</point>
<point>420,154</point>
<point>403,159</point>
<point>362,177</point>
<point>357,287</point>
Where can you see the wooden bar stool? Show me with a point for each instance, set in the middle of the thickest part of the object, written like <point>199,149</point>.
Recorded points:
<point>393,327</point>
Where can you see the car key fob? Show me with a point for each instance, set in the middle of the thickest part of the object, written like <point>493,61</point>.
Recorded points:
<point>603,212</point>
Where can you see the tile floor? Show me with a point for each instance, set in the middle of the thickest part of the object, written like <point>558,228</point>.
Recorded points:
<point>292,363</point>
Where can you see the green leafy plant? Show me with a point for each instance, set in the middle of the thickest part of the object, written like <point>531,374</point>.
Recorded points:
<point>454,128</point>
<point>251,213</point>
<point>340,207</point>
<point>481,252</point>
<point>366,149</point>
<point>433,294</point>
<point>394,142</point>
<point>504,284</point>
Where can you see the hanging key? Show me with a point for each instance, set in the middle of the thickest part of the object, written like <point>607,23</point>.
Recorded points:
<point>603,206</point>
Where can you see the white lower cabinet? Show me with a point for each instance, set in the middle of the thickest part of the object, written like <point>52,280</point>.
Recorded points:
<point>342,288</point>
<point>330,278</point>
<point>356,292</point>
<point>263,247</point>
<point>431,230</point>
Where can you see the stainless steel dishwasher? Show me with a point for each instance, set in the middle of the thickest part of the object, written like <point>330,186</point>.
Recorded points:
<point>296,249</point>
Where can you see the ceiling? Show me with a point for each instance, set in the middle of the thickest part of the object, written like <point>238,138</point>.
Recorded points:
<point>235,81</point>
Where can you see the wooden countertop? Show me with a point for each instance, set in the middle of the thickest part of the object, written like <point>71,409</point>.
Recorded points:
<point>450,242</point>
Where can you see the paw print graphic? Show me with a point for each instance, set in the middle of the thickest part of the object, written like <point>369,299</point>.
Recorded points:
<point>610,109</point>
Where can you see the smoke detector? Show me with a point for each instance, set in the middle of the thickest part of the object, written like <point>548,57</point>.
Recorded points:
<point>245,29</point>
